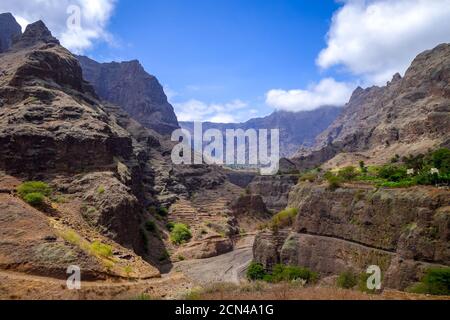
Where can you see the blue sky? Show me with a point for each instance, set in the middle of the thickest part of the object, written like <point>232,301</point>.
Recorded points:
<point>222,50</point>
<point>231,60</point>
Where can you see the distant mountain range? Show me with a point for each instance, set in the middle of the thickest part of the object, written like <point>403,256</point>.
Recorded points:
<point>297,129</point>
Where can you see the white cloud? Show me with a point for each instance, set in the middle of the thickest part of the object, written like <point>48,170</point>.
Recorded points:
<point>95,15</point>
<point>195,110</point>
<point>327,92</point>
<point>374,39</point>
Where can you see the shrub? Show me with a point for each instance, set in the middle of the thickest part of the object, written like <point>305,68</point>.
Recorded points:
<point>34,199</point>
<point>163,212</point>
<point>436,282</point>
<point>290,273</point>
<point>180,234</point>
<point>101,190</point>
<point>170,226</point>
<point>334,182</point>
<point>34,187</point>
<point>150,226</point>
<point>347,280</point>
<point>441,160</point>
<point>100,249</point>
<point>362,166</point>
<point>348,173</point>
<point>285,218</point>
<point>256,271</point>
<point>392,173</point>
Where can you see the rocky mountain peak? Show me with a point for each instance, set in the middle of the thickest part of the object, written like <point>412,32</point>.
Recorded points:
<point>139,93</point>
<point>10,30</point>
<point>35,33</point>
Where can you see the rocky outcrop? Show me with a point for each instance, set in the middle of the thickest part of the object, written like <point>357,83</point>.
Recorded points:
<point>250,206</point>
<point>274,190</point>
<point>54,128</point>
<point>407,116</point>
<point>403,231</point>
<point>10,30</point>
<point>129,86</point>
<point>297,129</point>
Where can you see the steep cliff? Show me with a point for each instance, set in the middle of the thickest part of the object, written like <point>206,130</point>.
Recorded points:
<point>129,86</point>
<point>404,231</point>
<point>10,30</point>
<point>407,116</point>
<point>53,128</point>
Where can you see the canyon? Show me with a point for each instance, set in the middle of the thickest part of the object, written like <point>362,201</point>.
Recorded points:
<point>98,135</point>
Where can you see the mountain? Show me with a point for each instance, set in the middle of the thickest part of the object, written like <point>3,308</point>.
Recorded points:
<point>407,116</point>
<point>128,85</point>
<point>297,129</point>
<point>10,29</point>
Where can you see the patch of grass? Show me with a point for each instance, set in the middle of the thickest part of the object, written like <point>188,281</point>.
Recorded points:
<point>34,199</point>
<point>34,187</point>
<point>101,190</point>
<point>284,218</point>
<point>309,176</point>
<point>34,192</point>
<point>101,250</point>
<point>180,234</point>
<point>347,280</point>
<point>348,173</point>
<point>334,181</point>
<point>436,282</point>
<point>145,297</point>
<point>128,270</point>
<point>181,258</point>
<point>71,237</point>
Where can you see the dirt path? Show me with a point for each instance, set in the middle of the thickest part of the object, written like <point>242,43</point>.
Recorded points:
<point>228,267</point>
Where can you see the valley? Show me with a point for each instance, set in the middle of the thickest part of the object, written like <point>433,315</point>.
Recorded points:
<point>86,180</point>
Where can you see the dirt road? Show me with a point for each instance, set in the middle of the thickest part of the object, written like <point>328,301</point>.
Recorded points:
<point>229,267</point>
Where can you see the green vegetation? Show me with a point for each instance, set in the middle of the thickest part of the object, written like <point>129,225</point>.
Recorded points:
<point>284,219</point>
<point>309,176</point>
<point>334,181</point>
<point>35,199</point>
<point>34,192</point>
<point>436,282</point>
<point>256,271</point>
<point>280,273</point>
<point>101,190</point>
<point>347,280</point>
<point>430,169</point>
<point>102,250</point>
<point>180,234</point>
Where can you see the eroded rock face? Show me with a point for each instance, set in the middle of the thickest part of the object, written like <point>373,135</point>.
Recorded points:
<point>250,206</point>
<point>129,86</point>
<point>50,120</point>
<point>53,128</point>
<point>408,115</point>
<point>274,190</point>
<point>403,231</point>
<point>10,30</point>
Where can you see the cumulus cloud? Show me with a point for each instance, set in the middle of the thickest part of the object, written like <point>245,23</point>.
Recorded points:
<point>195,110</point>
<point>374,39</point>
<point>327,92</point>
<point>76,23</point>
